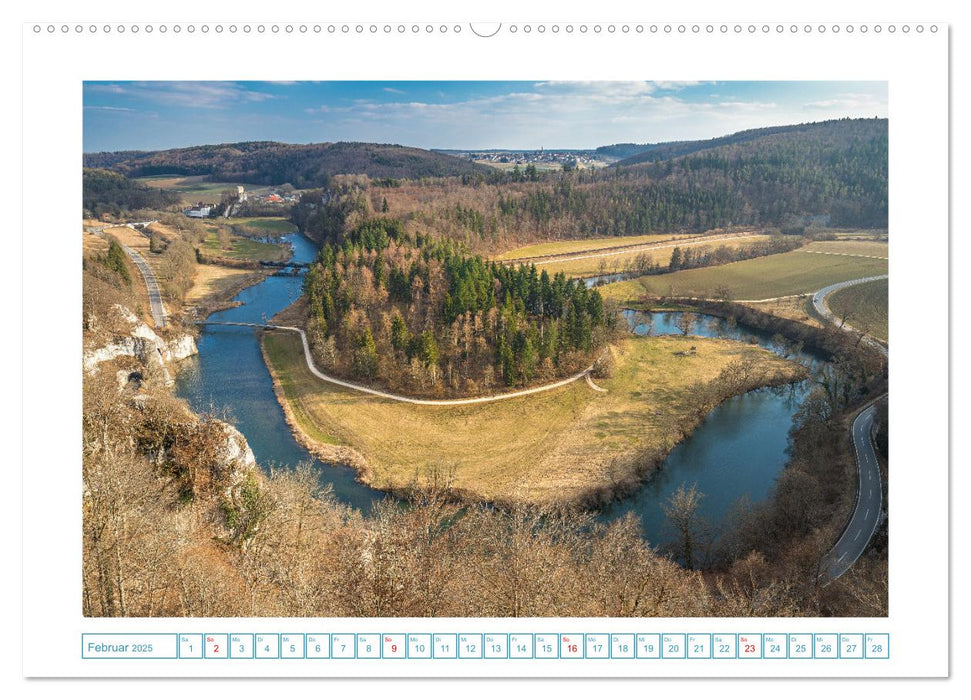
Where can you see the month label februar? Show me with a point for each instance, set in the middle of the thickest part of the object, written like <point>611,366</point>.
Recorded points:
<point>485,647</point>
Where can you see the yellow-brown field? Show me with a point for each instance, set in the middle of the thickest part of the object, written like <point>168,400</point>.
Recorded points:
<point>555,446</point>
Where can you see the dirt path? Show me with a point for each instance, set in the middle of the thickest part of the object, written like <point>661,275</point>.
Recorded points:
<point>398,397</point>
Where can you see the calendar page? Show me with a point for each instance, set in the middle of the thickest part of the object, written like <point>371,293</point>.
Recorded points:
<point>433,347</point>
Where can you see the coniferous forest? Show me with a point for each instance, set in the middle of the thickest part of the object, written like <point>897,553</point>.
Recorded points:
<point>422,314</point>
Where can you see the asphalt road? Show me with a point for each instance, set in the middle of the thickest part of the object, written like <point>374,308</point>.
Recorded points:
<point>819,301</point>
<point>869,497</point>
<point>869,503</point>
<point>154,295</point>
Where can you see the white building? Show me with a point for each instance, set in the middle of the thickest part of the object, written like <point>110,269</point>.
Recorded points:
<point>198,212</point>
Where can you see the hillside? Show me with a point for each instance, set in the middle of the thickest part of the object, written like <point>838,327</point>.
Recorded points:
<point>108,192</point>
<point>272,163</point>
<point>834,173</point>
<point>619,151</point>
<point>636,154</point>
<point>812,176</point>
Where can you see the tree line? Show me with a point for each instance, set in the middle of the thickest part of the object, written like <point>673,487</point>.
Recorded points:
<point>827,174</point>
<point>272,163</point>
<point>108,192</point>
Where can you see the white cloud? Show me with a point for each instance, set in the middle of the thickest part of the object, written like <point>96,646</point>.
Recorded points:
<point>205,95</point>
<point>856,101</point>
<point>552,114</point>
<point>108,108</point>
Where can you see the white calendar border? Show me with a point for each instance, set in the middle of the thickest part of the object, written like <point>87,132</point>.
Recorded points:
<point>918,602</point>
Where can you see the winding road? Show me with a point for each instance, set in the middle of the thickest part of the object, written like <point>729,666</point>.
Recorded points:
<point>151,283</point>
<point>869,502</point>
<point>869,497</point>
<point>398,397</point>
<point>819,302</point>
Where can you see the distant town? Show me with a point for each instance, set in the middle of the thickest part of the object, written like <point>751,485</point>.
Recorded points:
<point>544,159</point>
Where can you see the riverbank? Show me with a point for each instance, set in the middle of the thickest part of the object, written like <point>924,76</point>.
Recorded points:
<point>215,287</point>
<point>571,445</point>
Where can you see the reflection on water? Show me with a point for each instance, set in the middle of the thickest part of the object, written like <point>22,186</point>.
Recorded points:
<point>230,379</point>
<point>738,451</point>
<point>734,455</point>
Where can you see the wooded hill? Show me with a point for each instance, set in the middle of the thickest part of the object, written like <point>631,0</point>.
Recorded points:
<point>837,169</point>
<point>634,153</point>
<point>831,173</point>
<point>272,163</point>
<point>108,192</point>
<point>422,315</point>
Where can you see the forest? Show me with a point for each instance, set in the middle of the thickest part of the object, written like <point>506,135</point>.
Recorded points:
<point>836,170</point>
<point>109,192</point>
<point>423,315</point>
<point>830,174</point>
<point>272,163</point>
<point>633,153</point>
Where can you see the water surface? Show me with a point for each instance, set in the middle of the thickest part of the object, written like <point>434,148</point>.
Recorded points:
<point>229,379</point>
<point>735,455</point>
<point>737,452</point>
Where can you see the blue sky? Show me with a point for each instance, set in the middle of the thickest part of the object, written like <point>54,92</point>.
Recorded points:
<point>474,115</point>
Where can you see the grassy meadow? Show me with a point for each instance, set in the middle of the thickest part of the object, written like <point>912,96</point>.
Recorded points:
<point>262,225</point>
<point>795,272</point>
<point>223,244</point>
<point>873,249</point>
<point>864,306</point>
<point>611,264</point>
<point>192,188</point>
<point>547,447</point>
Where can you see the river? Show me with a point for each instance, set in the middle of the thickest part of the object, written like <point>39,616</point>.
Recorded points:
<point>229,379</point>
<point>737,452</point>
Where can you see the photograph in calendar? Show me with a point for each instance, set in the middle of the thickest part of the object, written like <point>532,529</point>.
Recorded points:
<point>485,349</point>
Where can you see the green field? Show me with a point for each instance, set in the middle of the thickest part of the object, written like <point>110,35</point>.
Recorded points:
<point>864,306</point>
<point>195,188</point>
<point>242,248</point>
<point>551,446</point>
<point>785,274</point>
<point>850,247</point>
<point>262,226</point>
<point>191,187</point>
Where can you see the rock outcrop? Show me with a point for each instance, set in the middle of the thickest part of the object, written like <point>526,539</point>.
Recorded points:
<point>133,338</point>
